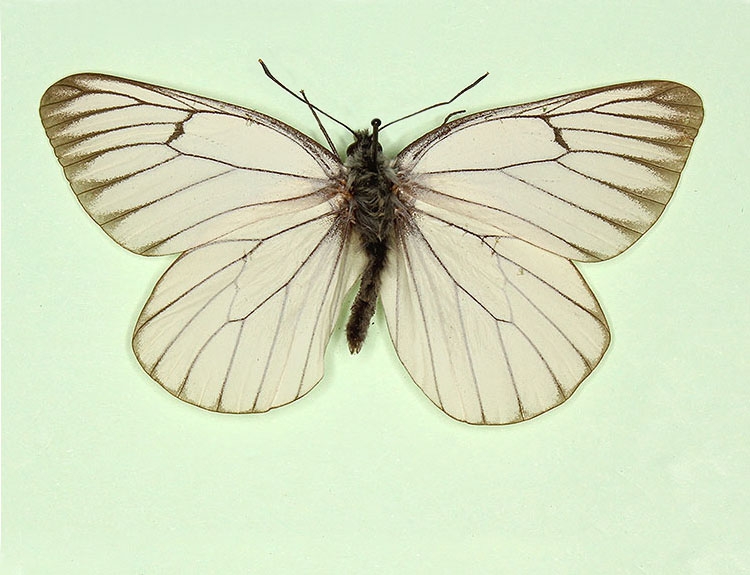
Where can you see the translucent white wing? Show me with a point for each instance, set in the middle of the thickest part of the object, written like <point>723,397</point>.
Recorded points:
<point>492,328</point>
<point>163,171</point>
<point>241,325</point>
<point>240,321</point>
<point>582,175</point>
<point>485,308</point>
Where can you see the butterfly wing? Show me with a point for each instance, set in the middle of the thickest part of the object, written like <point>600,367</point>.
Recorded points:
<point>163,171</point>
<point>241,319</point>
<point>241,324</point>
<point>485,308</point>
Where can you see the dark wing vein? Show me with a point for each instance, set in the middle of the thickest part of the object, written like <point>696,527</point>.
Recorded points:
<point>419,296</point>
<point>512,214</point>
<point>469,355</point>
<point>483,239</point>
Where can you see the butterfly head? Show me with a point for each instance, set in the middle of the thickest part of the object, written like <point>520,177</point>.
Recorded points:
<point>365,149</point>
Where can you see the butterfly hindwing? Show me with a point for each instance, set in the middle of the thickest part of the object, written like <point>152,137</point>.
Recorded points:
<point>242,325</point>
<point>494,330</point>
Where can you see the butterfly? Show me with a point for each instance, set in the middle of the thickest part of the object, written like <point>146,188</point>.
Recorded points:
<point>467,237</point>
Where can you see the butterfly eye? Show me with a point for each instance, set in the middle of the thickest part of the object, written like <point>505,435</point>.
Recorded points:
<point>362,141</point>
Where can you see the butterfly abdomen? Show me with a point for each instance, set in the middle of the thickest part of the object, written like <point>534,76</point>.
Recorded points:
<point>370,184</point>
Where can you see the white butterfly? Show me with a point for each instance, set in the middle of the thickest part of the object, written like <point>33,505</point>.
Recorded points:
<point>467,236</point>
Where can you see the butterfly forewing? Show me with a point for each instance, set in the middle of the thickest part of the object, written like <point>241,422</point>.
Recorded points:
<point>582,175</point>
<point>163,171</point>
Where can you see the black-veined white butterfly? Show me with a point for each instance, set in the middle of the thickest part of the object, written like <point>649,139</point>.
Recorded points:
<point>467,236</point>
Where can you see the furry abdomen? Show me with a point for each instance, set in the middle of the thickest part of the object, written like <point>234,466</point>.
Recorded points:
<point>373,210</point>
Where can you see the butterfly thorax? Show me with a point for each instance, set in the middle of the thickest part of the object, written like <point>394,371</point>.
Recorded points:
<point>370,182</point>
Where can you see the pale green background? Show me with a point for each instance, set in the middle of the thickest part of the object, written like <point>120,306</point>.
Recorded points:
<point>645,470</point>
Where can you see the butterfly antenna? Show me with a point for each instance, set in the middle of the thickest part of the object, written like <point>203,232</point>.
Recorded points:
<point>449,116</point>
<point>466,89</point>
<point>320,124</point>
<point>375,129</point>
<point>312,106</point>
